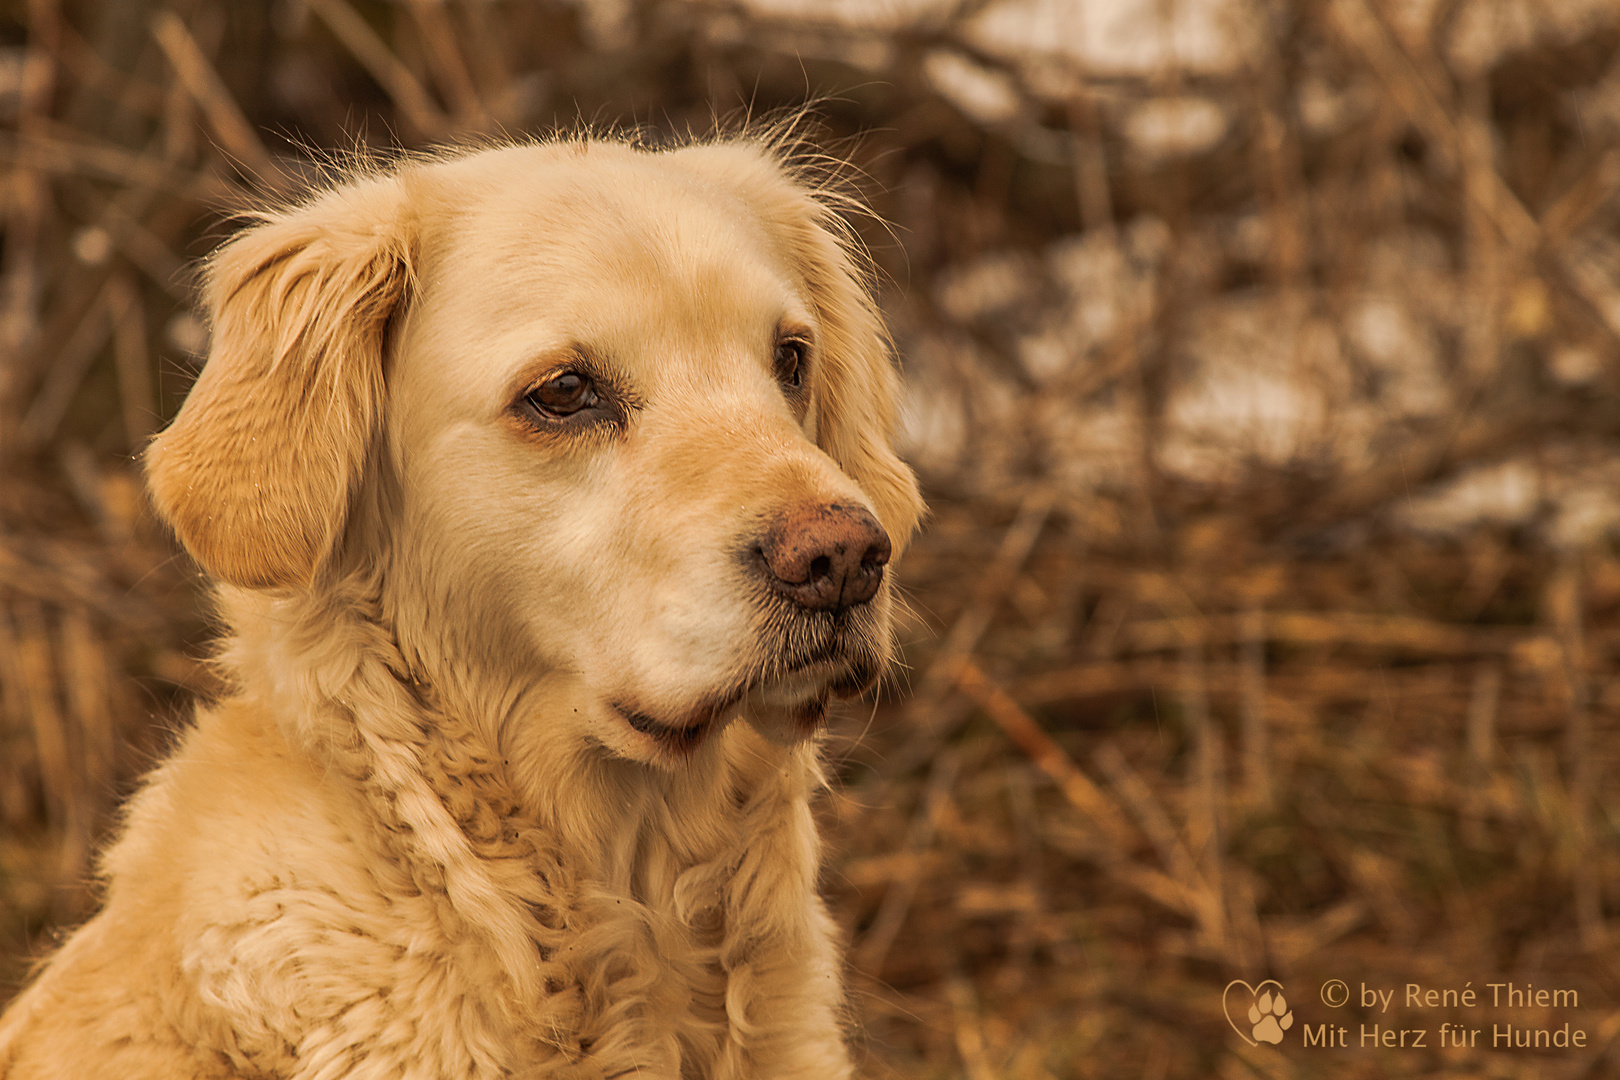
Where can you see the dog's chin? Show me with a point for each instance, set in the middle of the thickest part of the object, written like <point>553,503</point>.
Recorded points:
<point>789,712</point>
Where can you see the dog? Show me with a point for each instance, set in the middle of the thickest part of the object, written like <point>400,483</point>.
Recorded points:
<point>550,494</point>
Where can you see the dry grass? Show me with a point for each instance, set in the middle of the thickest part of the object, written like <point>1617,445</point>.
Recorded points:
<point>1268,622</point>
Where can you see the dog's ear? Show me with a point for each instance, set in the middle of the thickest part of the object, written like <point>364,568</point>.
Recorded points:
<point>856,388</point>
<point>256,474</point>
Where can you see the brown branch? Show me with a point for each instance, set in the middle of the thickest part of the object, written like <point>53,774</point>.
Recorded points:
<point>204,85</point>
<point>414,103</point>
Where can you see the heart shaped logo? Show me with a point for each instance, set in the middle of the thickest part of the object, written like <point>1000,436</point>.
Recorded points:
<point>1267,1016</point>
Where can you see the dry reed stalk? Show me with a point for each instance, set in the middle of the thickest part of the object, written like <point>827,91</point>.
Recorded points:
<point>1280,169</point>
<point>1484,277</point>
<point>969,1028</point>
<point>208,90</point>
<point>68,369</point>
<point>1484,701</point>
<point>1564,609</point>
<point>1096,204</point>
<point>87,678</point>
<point>872,950</point>
<point>988,591</point>
<point>1405,633</point>
<point>1588,193</point>
<point>20,767</point>
<point>1114,835</point>
<point>137,405</point>
<point>145,249</point>
<point>416,107</point>
<point>449,69</point>
<point>1415,92</point>
<point>28,213</point>
<point>1206,906</point>
<point>60,775</point>
<point>179,125</point>
<point>1207,798</point>
<point>487,62</point>
<point>924,713</point>
<point>71,154</point>
<point>1091,165</point>
<point>1256,752</point>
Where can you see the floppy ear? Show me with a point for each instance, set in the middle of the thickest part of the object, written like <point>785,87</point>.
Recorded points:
<point>856,388</point>
<point>256,472</point>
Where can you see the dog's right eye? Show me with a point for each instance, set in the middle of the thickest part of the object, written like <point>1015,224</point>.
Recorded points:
<point>564,394</point>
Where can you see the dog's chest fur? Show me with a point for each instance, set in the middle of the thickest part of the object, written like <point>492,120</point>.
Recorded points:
<point>407,916</point>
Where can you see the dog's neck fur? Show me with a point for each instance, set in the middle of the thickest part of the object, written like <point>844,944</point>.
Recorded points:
<point>589,911</point>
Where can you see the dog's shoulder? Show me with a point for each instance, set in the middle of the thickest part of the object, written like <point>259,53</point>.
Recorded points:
<point>254,920</point>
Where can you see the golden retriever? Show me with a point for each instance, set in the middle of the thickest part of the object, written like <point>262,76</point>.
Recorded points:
<point>550,493</point>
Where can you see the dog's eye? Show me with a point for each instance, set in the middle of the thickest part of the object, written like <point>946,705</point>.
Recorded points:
<point>790,356</point>
<point>564,394</point>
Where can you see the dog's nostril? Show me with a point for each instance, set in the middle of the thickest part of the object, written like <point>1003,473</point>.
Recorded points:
<point>827,557</point>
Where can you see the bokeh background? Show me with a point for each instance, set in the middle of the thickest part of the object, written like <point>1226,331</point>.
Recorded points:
<point>1264,376</point>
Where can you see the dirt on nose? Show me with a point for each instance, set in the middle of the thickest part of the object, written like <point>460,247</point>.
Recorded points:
<point>826,557</point>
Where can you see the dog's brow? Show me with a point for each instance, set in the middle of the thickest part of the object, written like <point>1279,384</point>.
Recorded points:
<point>576,356</point>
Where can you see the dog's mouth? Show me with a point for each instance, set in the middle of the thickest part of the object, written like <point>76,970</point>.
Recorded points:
<point>783,690</point>
<point>675,738</point>
<point>787,707</point>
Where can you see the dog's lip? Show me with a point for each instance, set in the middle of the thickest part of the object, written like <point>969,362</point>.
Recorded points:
<point>679,737</point>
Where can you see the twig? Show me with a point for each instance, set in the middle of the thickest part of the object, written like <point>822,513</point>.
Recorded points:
<point>28,208</point>
<point>1476,143</point>
<point>1047,755</point>
<point>137,405</point>
<point>1016,544</point>
<point>449,69</point>
<point>1207,797</point>
<point>23,635</point>
<point>923,714</point>
<point>204,85</point>
<point>969,1029</point>
<point>1564,604</point>
<point>87,679</point>
<point>1256,731</point>
<point>1399,632</point>
<point>891,915</point>
<point>69,369</point>
<point>1207,905</point>
<point>1483,701</point>
<point>100,161</point>
<point>416,107</point>
<point>143,248</point>
<point>1590,192</point>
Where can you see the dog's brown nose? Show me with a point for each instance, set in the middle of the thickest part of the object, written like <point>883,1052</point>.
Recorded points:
<point>826,558</point>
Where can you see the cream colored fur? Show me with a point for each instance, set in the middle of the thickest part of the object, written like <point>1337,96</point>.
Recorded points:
<point>419,838</point>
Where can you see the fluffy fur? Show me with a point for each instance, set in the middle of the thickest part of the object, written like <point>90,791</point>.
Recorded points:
<point>422,837</point>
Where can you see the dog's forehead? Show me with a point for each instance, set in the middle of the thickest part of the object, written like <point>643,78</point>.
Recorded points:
<point>614,242</point>
<point>668,274</point>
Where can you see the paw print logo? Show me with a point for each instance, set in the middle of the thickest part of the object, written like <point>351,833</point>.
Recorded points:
<point>1268,1014</point>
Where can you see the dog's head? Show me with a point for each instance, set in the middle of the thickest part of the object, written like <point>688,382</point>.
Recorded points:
<point>608,421</point>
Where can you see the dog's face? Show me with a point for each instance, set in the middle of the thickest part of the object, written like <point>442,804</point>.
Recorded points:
<point>613,421</point>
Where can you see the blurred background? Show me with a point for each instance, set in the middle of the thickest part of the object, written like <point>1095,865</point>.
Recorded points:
<point>1264,377</point>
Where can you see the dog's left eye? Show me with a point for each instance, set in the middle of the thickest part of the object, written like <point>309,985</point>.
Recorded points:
<point>564,394</point>
<point>790,356</point>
